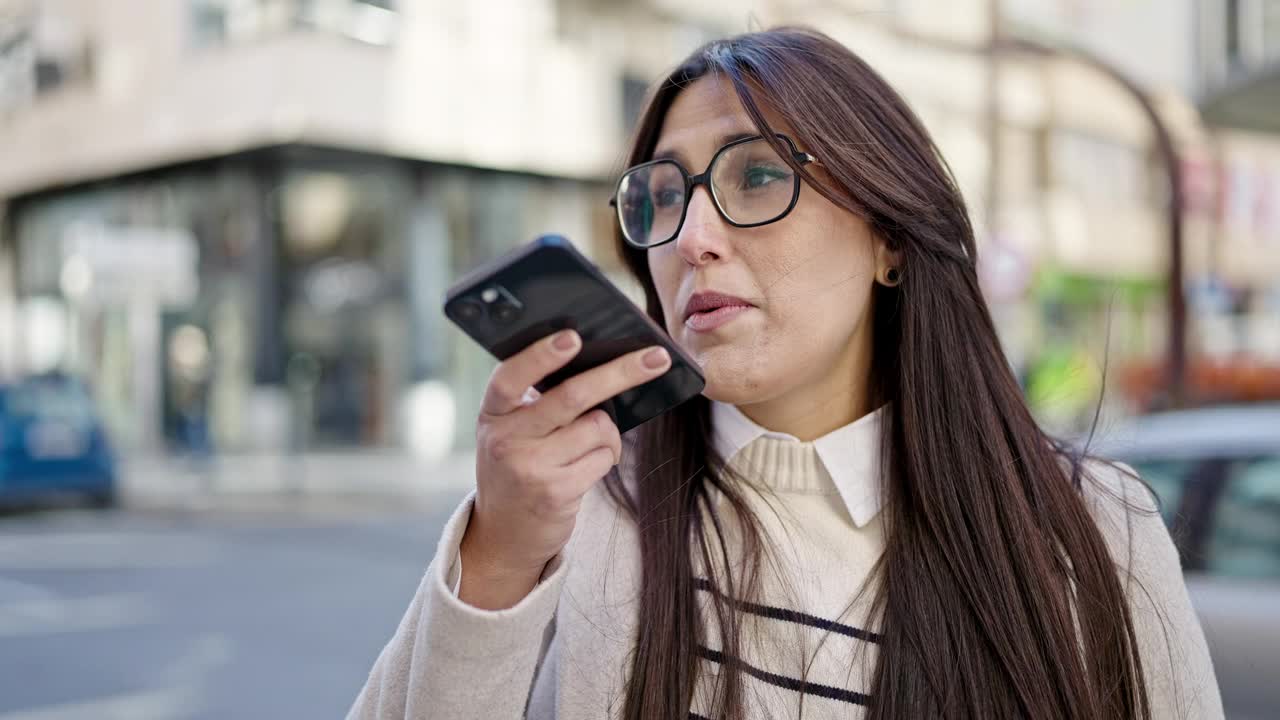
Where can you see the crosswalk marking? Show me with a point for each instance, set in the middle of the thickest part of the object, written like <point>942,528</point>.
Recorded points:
<point>54,615</point>
<point>103,551</point>
<point>181,693</point>
<point>166,704</point>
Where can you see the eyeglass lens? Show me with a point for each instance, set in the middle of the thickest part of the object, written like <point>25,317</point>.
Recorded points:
<point>750,183</point>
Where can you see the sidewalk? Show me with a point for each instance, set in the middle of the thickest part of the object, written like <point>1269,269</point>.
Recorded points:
<point>374,478</point>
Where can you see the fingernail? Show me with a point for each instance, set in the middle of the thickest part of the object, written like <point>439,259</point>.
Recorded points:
<point>566,340</point>
<point>655,358</point>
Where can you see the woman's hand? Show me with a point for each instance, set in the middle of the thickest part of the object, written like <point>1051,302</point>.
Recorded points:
<point>536,457</point>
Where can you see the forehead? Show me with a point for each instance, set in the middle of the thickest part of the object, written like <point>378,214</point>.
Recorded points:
<point>705,116</point>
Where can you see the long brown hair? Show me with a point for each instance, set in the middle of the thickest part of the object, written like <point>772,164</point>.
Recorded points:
<point>996,595</point>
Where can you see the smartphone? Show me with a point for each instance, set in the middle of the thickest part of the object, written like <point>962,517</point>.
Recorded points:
<point>546,286</point>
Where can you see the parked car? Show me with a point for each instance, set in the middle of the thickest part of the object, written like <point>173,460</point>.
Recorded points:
<point>52,442</point>
<point>1216,472</point>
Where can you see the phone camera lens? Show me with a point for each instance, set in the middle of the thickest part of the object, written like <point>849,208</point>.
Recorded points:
<point>503,312</point>
<point>470,310</point>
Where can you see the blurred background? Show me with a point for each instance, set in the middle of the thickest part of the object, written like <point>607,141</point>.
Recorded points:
<point>233,417</point>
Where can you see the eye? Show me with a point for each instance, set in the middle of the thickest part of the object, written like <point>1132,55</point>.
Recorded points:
<point>758,176</point>
<point>668,197</point>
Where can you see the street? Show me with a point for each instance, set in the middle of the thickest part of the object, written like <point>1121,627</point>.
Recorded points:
<point>163,614</point>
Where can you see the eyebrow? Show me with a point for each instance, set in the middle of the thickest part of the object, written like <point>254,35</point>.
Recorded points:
<point>720,142</point>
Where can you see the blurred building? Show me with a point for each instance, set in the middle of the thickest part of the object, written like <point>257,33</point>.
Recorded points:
<point>1059,164</point>
<point>1239,63</point>
<point>245,213</point>
<point>238,217</point>
<point>1238,91</point>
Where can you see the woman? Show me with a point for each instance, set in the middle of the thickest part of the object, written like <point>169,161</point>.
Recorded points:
<point>858,517</point>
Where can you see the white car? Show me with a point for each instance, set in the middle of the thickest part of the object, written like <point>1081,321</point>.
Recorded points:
<point>1217,474</point>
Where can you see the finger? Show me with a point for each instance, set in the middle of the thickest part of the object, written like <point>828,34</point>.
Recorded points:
<point>590,432</point>
<point>588,469</point>
<point>562,404</point>
<point>513,377</point>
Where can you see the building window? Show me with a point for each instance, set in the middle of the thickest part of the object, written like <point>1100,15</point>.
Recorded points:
<point>40,51</point>
<point>17,68</point>
<point>1271,30</point>
<point>370,21</point>
<point>1104,170</point>
<point>215,22</point>
<point>1233,33</point>
<point>208,22</point>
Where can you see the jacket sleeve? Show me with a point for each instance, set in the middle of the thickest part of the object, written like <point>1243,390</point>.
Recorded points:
<point>450,660</point>
<point>1176,665</point>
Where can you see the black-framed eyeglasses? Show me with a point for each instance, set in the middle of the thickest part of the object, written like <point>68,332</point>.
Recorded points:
<point>749,183</point>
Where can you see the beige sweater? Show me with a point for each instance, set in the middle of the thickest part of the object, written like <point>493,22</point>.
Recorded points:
<point>561,653</point>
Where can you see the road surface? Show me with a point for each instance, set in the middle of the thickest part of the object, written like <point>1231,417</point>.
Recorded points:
<point>170,615</point>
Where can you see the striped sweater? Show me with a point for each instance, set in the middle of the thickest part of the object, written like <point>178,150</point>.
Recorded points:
<point>808,648</point>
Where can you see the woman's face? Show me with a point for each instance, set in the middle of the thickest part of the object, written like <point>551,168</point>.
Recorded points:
<point>808,276</point>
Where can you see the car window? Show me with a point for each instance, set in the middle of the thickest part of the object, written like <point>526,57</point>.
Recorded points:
<point>1244,540</point>
<point>1168,479</point>
<point>50,401</point>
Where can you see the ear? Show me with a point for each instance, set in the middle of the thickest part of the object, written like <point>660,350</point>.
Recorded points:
<point>887,260</point>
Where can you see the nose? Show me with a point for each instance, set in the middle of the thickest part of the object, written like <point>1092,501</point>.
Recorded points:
<point>704,235</point>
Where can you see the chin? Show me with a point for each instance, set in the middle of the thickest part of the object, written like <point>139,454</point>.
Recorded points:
<point>733,387</point>
<point>734,374</point>
<point>729,396</point>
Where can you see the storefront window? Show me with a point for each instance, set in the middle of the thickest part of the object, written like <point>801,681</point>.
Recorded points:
<point>149,256</point>
<point>312,315</point>
<point>343,233</point>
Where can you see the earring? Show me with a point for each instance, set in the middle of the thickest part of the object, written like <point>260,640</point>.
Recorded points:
<point>892,277</point>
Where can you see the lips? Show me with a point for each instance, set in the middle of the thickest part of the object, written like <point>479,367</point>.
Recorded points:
<point>704,302</point>
<point>707,311</point>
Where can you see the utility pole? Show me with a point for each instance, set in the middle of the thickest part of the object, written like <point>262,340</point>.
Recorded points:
<point>991,208</point>
<point>1176,352</point>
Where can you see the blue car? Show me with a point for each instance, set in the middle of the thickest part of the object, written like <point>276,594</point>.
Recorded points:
<point>52,442</point>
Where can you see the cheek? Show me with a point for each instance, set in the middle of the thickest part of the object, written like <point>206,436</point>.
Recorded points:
<point>818,284</point>
<point>806,276</point>
<point>664,270</point>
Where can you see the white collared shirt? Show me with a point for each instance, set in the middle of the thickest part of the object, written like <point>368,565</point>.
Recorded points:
<point>850,454</point>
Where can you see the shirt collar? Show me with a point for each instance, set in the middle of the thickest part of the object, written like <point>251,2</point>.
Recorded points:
<point>851,454</point>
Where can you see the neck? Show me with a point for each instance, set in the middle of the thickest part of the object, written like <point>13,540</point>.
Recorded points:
<point>813,410</point>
